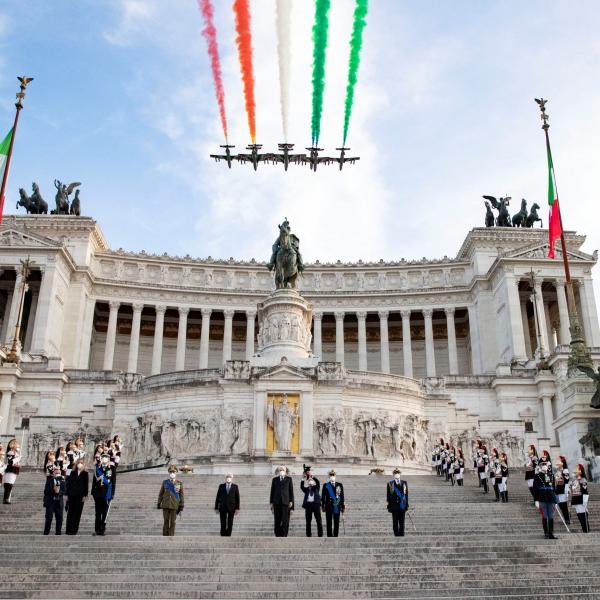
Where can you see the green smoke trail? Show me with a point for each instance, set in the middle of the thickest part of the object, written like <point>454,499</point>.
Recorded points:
<point>319,35</point>
<point>360,12</point>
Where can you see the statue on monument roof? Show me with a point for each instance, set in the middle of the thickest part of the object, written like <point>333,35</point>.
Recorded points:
<point>286,259</point>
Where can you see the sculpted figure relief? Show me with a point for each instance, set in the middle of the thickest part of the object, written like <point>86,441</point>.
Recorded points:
<point>330,434</point>
<point>284,420</point>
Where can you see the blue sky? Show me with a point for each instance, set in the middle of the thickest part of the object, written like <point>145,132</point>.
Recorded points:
<point>123,101</point>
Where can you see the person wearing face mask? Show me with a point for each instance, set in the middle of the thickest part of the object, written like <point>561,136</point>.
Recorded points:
<point>227,504</point>
<point>482,465</point>
<point>77,491</point>
<point>580,497</point>
<point>54,492</point>
<point>543,489</point>
<point>503,472</point>
<point>531,464</point>
<point>102,493</point>
<point>459,468</point>
<point>397,502</point>
<point>281,500</point>
<point>13,468</point>
<point>170,499</point>
<point>311,504</point>
<point>49,463</point>
<point>333,504</point>
<point>79,449</point>
<point>545,459</point>
<point>561,487</point>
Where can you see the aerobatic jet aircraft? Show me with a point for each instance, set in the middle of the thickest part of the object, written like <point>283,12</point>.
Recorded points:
<point>227,156</point>
<point>342,158</point>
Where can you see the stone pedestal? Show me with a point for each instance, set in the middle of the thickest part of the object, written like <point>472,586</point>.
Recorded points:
<point>284,320</point>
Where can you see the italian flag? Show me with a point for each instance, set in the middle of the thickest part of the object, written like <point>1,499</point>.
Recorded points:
<point>554,220</point>
<point>4,153</point>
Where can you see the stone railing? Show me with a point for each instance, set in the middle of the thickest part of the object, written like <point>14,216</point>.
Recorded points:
<point>383,379</point>
<point>180,378</point>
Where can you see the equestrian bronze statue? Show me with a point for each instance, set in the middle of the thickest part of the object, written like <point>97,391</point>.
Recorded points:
<point>286,259</point>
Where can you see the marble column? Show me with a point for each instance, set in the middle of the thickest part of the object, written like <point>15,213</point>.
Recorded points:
<point>452,352</point>
<point>548,419</point>
<point>526,328</point>
<point>362,340</point>
<point>157,349</point>
<point>5,402</point>
<point>204,338</point>
<point>43,321</point>
<point>134,343</point>
<point>475,343</point>
<point>250,319</point>
<point>227,334</point>
<point>564,334</point>
<point>590,314</point>
<point>541,315</point>
<point>406,343</point>
<point>515,317</point>
<point>13,315</point>
<point>181,338</point>
<point>549,328</point>
<point>429,344</point>
<point>384,341</point>
<point>111,334</point>
<point>86,336</point>
<point>339,337</point>
<point>317,335</point>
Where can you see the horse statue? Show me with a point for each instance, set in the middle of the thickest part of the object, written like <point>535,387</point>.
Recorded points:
<point>34,204</point>
<point>26,203</point>
<point>533,216</point>
<point>36,196</point>
<point>286,258</point>
<point>489,215</point>
<point>503,218</point>
<point>76,205</point>
<point>520,219</point>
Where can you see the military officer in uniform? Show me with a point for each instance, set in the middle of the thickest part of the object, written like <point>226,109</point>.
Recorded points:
<point>543,489</point>
<point>170,499</point>
<point>580,497</point>
<point>397,502</point>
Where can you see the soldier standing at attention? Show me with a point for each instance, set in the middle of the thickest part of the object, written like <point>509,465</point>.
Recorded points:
<point>397,502</point>
<point>170,499</point>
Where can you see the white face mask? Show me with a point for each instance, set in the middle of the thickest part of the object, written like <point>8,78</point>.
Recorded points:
<point>332,479</point>
<point>172,475</point>
<point>282,473</point>
<point>397,477</point>
<point>79,467</point>
<point>228,479</point>
<point>105,462</point>
<point>544,469</point>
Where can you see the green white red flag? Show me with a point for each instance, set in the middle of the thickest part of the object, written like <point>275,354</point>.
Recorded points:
<point>4,152</point>
<point>554,220</point>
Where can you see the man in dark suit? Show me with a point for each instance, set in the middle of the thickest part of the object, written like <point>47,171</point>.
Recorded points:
<point>282,501</point>
<point>310,485</point>
<point>77,491</point>
<point>227,504</point>
<point>54,492</point>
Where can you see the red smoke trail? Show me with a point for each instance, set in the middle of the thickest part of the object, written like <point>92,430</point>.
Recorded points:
<point>241,8</point>
<point>210,35</point>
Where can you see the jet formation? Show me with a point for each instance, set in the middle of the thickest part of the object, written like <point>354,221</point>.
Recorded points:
<point>254,156</point>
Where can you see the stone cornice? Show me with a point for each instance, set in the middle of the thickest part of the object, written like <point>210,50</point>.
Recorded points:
<point>510,238</point>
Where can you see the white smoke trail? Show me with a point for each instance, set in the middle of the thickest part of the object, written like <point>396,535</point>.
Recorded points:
<point>284,55</point>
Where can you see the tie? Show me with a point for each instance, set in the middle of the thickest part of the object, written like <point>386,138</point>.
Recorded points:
<point>228,486</point>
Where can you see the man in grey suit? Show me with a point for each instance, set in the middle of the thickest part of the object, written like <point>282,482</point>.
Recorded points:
<point>282,501</point>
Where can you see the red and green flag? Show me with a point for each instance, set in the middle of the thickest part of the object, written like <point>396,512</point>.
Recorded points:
<point>554,220</point>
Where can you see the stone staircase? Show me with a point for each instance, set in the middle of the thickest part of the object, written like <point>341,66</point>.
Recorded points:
<point>465,546</point>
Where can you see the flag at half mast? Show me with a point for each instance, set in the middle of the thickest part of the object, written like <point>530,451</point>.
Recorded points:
<point>4,152</point>
<point>554,220</point>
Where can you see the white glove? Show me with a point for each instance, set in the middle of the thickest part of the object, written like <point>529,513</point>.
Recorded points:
<point>537,504</point>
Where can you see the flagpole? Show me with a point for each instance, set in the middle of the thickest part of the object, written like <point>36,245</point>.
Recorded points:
<point>19,105</point>
<point>579,352</point>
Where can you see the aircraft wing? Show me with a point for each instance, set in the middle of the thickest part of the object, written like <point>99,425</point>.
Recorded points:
<point>349,159</point>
